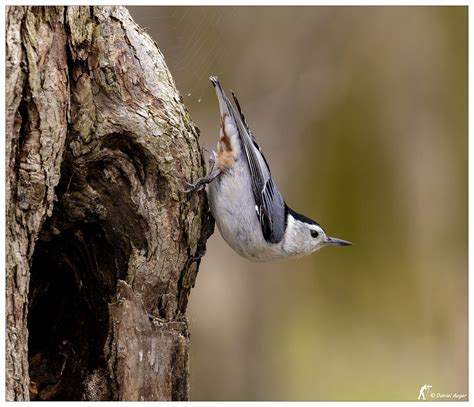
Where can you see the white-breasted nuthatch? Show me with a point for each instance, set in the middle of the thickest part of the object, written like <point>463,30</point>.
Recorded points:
<point>249,210</point>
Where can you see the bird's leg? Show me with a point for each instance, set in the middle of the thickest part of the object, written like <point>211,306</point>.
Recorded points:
<point>211,176</point>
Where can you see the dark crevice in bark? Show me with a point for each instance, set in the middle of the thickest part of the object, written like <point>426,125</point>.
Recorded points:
<point>82,251</point>
<point>73,278</point>
<point>23,112</point>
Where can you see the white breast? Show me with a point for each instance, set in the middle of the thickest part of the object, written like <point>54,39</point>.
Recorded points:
<point>233,207</point>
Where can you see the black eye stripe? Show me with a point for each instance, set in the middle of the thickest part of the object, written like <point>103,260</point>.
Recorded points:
<point>314,233</point>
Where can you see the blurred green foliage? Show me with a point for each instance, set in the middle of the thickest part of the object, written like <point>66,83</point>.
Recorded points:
<point>362,115</point>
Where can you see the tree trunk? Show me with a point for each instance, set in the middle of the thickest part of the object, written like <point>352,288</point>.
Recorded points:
<point>102,247</point>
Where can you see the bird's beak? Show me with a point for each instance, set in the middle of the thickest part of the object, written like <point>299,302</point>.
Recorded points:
<point>338,242</point>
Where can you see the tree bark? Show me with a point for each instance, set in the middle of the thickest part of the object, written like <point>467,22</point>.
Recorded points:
<point>102,247</point>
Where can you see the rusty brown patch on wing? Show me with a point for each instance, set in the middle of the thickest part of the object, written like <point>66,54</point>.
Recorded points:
<point>225,153</point>
<point>224,142</point>
<point>225,160</point>
<point>224,139</point>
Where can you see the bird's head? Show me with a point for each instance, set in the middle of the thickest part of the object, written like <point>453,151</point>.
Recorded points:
<point>304,236</point>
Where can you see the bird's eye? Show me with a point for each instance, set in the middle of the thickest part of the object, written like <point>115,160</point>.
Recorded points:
<point>314,233</point>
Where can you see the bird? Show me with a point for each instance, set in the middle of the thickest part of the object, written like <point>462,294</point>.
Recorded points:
<point>244,200</point>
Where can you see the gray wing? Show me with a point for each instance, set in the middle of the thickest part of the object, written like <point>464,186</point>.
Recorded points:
<point>270,203</point>
<point>270,206</point>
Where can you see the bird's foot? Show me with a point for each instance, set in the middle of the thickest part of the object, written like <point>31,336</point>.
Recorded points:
<point>202,182</point>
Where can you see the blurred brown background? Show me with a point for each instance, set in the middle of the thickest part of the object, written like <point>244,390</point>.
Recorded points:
<point>362,115</point>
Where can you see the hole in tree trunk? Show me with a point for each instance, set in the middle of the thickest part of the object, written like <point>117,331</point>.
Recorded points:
<point>82,251</point>
<point>73,277</point>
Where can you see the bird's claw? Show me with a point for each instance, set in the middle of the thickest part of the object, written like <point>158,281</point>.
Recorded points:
<point>192,187</point>
<point>201,182</point>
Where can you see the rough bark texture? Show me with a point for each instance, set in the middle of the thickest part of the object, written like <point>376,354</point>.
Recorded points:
<point>102,246</point>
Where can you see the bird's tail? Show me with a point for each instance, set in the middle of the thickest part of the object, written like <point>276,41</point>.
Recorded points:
<point>224,103</point>
<point>225,107</point>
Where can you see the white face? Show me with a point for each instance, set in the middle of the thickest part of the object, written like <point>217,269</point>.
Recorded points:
<point>303,238</point>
